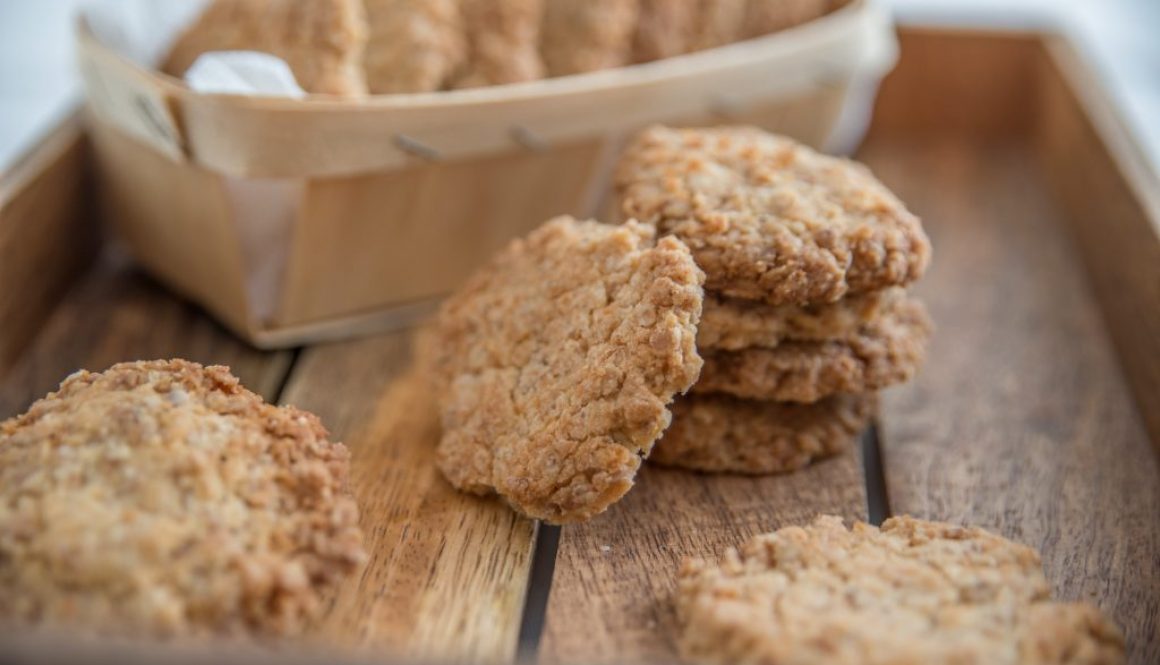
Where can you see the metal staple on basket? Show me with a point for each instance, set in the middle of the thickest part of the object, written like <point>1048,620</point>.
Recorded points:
<point>416,147</point>
<point>528,139</point>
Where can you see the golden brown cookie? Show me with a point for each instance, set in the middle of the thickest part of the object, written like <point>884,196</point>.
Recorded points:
<point>587,35</point>
<point>769,219</point>
<point>763,17</point>
<point>732,324</point>
<point>412,45</point>
<point>664,28</point>
<point>912,592</point>
<point>719,433</point>
<point>557,361</point>
<point>321,40</point>
<point>503,42</point>
<point>883,352</point>
<point>718,22</point>
<point>163,499</point>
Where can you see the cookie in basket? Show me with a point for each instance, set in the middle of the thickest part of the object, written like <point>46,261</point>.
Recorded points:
<point>887,350</point>
<point>768,219</point>
<point>718,22</point>
<point>765,16</point>
<point>663,28</point>
<point>503,38</point>
<point>412,45</point>
<point>719,433</point>
<point>164,499</point>
<point>732,324</point>
<point>912,592</point>
<point>321,40</point>
<point>557,361</point>
<point>586,35</point>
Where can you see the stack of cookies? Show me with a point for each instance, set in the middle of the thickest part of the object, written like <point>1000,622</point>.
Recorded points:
<point>805,315</point>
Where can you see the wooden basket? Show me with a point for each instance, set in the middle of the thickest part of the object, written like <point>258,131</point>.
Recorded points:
<point>295,220</point>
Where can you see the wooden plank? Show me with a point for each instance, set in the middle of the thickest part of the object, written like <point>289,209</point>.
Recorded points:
<point>611,594</point>
<point>1112,199</point>
<point>47,234</point>
<point>1022,421</point>
<point>960,81</point>
<point>448,572</point>
<point>114,315</point>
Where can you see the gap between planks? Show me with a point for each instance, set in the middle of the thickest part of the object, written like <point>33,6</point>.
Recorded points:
<point>1022,421</point>
<point>448,573</point>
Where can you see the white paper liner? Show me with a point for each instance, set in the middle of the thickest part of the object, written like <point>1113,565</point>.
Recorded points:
<point>143,30</point>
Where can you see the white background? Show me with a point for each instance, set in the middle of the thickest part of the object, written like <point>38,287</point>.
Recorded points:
<point>1122,37</point>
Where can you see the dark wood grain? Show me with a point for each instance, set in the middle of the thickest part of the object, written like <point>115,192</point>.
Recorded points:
<point>1021,421</point>
<point>1111,199</point>
<point>968,83</point>
<point>47,233</point>
<point>448,572</point>
<point>115,314</point>
<point>614,578</point>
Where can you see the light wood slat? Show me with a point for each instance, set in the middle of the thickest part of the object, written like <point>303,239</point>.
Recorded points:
<point>1021,421</point>
<point>115,314</point>
<point>611,597</point>
<point>448,572</point>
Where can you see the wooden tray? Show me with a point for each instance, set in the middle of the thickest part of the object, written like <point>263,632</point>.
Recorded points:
<point>1038,414</point>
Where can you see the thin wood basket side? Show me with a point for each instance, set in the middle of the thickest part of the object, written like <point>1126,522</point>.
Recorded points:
<point>177,220</point>
<point>1112,200</point>
<point>47,235</point>
<point>385,239</point>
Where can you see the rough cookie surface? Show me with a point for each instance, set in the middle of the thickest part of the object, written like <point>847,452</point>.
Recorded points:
<point>412,45</point>
<point>321,40</point>
<point>586,35</point>
<point>558,360</point>
<point>765,16</point>
<point>718,22</point>
<point>503,39</point>
<point>162,498</point>
<point>731,324</point>
<point>663,29</point>
<point>769,219</point>
<point>888,350</point>
<point>718,433</point>
<point>912,592</point>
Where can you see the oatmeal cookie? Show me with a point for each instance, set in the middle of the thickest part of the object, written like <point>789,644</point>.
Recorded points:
<point>763,17</point>
<point>731,324</point>
<point>164,499</point>
<point>718,22</point>
<point>912,592</point>
<point>412,45</point>
<point>321,40</point>
<point>556,363</point>
<point>503,39</point>
<point>769,219</point>
<point>587,35</point>
<point>719,433</point>
<point>886,351</point>
<point>663,29</point>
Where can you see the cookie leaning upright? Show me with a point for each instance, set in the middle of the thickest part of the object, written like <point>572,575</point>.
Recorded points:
<point>769,219</point>
<point>557,361</point>
<point>164,499</point>
<point>910,592</point>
